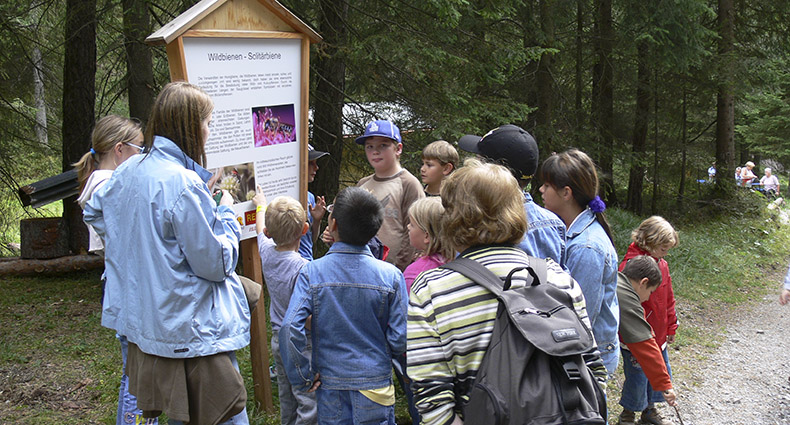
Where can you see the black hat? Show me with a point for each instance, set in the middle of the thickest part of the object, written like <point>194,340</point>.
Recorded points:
<point>313,154</point>
<point>510,144</point>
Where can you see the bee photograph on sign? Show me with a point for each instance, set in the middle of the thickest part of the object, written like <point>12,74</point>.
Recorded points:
<point>273,125</point>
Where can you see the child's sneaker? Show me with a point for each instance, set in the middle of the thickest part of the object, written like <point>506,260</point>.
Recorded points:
<point>651,416</point>
<point>627,418</point>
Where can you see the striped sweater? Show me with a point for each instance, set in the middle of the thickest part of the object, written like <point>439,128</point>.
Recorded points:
<point>451,319</point>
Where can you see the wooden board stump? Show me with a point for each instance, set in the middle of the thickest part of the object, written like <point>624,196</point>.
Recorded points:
<point>43,238</point>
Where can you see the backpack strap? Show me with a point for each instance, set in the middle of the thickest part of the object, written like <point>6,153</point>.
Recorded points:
<point>538,269</point>
<point>486,278</point>
<point>477,272</point>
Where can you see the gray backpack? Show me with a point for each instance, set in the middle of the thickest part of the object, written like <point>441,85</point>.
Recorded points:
<point>533,371</point>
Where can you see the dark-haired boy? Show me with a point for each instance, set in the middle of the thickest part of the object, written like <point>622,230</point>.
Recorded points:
<point>639,278</point>
<point>359,307</point>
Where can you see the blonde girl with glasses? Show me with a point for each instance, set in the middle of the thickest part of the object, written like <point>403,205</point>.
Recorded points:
<point>114,139</point>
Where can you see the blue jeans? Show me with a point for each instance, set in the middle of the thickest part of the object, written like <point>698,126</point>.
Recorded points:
<point>128,413</point>
<point>637,392</point>
<point>350,407</point>
<point>240,418</point>
<point>406,385</point>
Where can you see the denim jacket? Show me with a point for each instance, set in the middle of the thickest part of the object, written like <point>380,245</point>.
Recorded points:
<point>170,256</point>
<point>592,261</point>
<point>359,308</point>
<point>545,237</point>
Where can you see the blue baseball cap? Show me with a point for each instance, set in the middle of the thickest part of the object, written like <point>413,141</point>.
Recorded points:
<point>384,128</point>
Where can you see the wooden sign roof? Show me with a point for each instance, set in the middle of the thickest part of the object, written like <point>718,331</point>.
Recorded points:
<point>245,15</point>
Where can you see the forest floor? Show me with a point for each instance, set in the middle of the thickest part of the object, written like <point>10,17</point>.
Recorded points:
<point>736,371</point>
<point>59,366</point>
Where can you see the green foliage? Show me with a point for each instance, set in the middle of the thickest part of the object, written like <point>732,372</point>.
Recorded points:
<point>674,30</point>
<point>766,112</point>
<point>450,64</point>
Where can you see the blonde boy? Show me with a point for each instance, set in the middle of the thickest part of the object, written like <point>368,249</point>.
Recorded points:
<point>280,227</point>
<point>395,187</point>
<point>439,159</point>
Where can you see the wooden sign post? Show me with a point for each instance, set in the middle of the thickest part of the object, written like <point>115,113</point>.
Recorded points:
<point>253,58</point>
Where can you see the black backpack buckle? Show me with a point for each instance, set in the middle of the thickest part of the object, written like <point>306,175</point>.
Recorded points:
<point>572,370</point>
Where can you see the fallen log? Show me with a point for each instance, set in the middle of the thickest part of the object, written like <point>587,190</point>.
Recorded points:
<point>18,266</point>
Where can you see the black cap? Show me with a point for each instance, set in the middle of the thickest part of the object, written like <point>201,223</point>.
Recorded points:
<point>313,154</point>
<point>510,144</point>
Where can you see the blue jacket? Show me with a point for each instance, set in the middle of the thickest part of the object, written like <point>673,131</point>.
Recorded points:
<point>170,256</point>
<point>306,242</point>
<point>545,237</point>
<point>359,309</point>
<point>592,261</point>
<point>787,280</point>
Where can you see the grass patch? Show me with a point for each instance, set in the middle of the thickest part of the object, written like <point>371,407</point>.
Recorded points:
<point>718,260</point>
<point>58,364</point>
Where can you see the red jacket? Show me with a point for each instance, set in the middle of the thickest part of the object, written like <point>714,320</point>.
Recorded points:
<point>660,307</point>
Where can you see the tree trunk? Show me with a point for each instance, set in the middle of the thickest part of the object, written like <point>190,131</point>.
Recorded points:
<point>579,69</point>
<point>639,139</point>
<point>79,71</point>
<point>38,93</point>
<point>654,200</point>
<point>604,109</point>
<point>139,64</point>
<point>329,95</point>
<point>544,80</point>
<point>725,111</point>
<point>682,186</point>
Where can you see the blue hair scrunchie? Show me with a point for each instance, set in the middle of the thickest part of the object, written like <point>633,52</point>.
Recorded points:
<point>597,205</point>
<point>93,152</point>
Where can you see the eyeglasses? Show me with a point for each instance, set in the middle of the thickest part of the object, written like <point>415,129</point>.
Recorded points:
<point>141,148</point>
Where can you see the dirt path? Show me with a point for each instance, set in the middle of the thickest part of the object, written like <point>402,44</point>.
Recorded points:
<point>745,379</point>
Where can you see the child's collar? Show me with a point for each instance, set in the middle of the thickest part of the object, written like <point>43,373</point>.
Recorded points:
<point>400,170</point>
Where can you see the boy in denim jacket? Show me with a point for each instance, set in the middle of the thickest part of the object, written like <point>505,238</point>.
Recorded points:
<point>359,307</point>
<point>516,149</point>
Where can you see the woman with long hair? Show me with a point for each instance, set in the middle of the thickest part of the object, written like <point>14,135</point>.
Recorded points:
<point>170,254</point>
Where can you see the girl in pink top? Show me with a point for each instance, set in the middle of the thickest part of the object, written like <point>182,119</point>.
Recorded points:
<point>424,224</point>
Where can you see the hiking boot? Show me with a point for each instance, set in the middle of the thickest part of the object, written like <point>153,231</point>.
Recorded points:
<point>627,418</point>
<point>651,416</point>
